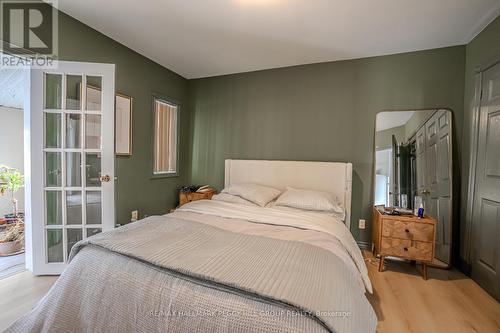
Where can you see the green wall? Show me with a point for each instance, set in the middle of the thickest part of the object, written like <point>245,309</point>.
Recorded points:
<point>312,112</point>
<point>318,112</point>
<point>481,52</point>
<point>138,77</point>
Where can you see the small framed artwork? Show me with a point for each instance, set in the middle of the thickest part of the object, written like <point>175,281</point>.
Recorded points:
<point>123,133</point>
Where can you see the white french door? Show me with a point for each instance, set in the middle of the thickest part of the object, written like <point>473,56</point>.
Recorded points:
<point>69,160</point>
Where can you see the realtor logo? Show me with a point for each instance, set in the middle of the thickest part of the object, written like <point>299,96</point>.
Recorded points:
<point>28,33</point>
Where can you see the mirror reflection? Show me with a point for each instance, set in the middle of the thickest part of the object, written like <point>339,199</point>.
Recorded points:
<point>413,170</point>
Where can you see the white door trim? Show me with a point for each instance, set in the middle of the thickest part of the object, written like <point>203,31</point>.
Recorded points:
<point>476,106</point>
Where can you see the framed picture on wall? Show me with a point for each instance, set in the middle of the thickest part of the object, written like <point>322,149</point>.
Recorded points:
<point>123,144</point>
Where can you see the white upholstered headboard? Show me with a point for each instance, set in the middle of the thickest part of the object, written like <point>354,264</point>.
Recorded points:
<point>333,177</point>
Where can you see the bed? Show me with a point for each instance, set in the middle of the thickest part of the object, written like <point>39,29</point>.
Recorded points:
<point>216,266</point>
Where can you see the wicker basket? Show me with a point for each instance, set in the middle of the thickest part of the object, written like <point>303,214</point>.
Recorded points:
<point>10,247</point>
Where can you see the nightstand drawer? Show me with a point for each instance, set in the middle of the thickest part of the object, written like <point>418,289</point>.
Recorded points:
<point>406,249</point>
<point>408,230</point>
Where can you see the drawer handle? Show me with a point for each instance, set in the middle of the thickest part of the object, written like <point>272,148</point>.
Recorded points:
<point>406,230</point>
<point>406,249</point>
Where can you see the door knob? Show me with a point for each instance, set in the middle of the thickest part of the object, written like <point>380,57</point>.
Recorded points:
<point>105,178</point>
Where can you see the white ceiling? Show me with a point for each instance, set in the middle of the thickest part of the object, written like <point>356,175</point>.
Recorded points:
<point>213,37</point>
<point>390,119</point>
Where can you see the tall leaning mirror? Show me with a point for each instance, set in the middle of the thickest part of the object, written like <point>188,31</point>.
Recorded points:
<point>413,169</point>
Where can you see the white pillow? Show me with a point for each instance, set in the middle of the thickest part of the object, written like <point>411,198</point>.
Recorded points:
<point>258,194</point>
<point>310,200</point>
<point>232,198</point>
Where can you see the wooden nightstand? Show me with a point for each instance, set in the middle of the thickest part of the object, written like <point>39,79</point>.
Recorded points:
<point>404,236</point>
<point>185,197</point>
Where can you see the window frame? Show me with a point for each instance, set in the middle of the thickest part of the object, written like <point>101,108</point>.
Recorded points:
<point>162,98</point>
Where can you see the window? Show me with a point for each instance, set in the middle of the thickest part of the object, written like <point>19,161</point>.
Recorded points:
<point>165,137</point>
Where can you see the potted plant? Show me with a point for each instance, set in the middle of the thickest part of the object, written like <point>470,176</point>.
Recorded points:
<point>11,234</point>
<point>12,238</point>
<point>11,179</point>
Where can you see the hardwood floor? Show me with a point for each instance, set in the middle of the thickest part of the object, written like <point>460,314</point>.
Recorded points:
<point>18,294</point>
<point>447,302</point>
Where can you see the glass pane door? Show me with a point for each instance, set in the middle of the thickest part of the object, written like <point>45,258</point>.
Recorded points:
<point>72,148</point>
<point>70,188</point>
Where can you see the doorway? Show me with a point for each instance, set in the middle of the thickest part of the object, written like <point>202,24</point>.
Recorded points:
<point>67,119</point>
<point>383,170</point>
<point>12,256</point>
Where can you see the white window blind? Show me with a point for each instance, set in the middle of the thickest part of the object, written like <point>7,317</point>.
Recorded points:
<point>165,137</point>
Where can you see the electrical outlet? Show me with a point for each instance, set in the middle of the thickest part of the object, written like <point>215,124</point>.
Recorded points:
<point>135,215</point>
<point>362,224</point>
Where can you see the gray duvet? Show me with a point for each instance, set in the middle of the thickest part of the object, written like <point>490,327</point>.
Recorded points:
<point>174,274</point>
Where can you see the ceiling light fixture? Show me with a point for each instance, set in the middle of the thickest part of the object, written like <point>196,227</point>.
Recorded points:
<point>257,2</point>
